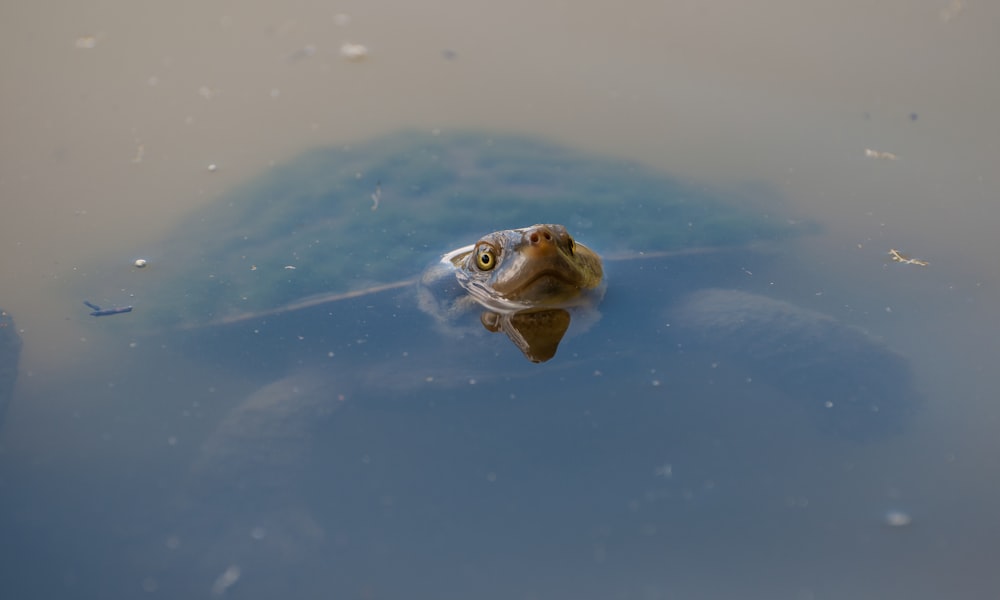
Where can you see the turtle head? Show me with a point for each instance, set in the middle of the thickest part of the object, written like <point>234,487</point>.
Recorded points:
<point>541,265</point>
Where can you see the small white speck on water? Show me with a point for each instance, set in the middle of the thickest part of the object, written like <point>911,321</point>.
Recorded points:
<point>228,577</point>
<point>86,42</point>
<point>897,518</point>
<point>869,153</point>
<point>354,52</point>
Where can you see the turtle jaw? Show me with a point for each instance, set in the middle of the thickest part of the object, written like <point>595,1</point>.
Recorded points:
<point>541,275</point>
<point>546,287</point>
<point>554,280</point>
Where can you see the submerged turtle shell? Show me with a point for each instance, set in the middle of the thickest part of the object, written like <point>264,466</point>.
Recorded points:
<point>343,218</point>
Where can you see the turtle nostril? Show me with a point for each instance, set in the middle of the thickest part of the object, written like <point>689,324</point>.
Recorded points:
<point>539,234</point>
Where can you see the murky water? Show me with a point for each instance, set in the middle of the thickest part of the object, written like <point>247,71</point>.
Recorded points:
<point>371,459</point>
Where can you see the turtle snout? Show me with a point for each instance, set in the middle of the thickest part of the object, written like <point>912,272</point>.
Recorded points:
<point>540,235</point>
<point>539,241</point>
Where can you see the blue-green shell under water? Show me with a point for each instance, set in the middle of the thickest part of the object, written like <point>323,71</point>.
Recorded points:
<point>346,217</point>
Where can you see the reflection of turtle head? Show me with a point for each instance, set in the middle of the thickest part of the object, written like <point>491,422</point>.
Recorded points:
<point>536,332</point>
<point>535,266</point>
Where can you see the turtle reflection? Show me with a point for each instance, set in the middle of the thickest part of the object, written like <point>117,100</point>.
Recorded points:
<point>537,333</point>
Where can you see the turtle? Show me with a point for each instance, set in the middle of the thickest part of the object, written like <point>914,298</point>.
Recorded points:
<point>360,216</point>
<point>265,277</point>
<point>364,280</point>
<point>525,281</point>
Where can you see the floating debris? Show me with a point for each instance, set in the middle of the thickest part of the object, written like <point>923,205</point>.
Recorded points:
<point>951,11</point>
<point>226,580</point>
<point>212,168</point>
<point>665,470</point>
<point>87,42</point>
<point>354,52</point>
<point>897,518</point>
<point>376,195</point>
<point>878,154</point>
<point>140,263</point>
<point>207,93</point>
<point>104,312</point>
<point>899,257</point>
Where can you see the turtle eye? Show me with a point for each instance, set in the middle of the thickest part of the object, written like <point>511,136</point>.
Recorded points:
<point>486,257</point>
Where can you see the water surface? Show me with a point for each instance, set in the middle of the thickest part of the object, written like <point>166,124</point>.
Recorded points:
<point>526,483</point>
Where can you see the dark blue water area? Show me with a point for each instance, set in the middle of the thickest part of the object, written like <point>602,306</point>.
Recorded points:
<point>695,441</point>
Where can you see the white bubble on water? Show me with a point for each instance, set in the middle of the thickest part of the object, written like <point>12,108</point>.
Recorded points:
<point>897,518</point>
